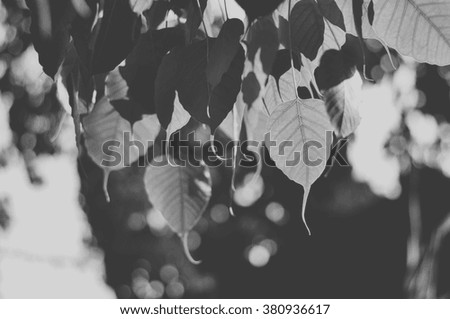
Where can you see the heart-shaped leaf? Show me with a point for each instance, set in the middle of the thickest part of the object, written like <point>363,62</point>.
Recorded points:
<point>299,128</point>
<point>106,133</point>
<point>180,191</point>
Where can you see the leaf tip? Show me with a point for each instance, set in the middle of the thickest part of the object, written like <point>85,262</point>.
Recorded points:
<point>305,200</point>
<point>187,253</point>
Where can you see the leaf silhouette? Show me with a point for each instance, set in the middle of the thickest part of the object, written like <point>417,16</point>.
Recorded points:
<point>118,29</point>
<point>139,73</point>
<point>180,191</point>
<point>299,127</point>
<point>224,50</point>
<point>416,28</point>
<point>331,12</point>
<point>307,27</point>
<point>263,35</point>
<point>184,70</point>
<point>50,27</point>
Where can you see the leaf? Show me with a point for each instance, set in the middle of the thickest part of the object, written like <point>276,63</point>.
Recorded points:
<point>138,75</point>
<point>343,103</point>
<point>282,63</point>
<point>258,8</point>
<point>335,67</point>
<point>104,124</point>
<point>223,51</point>
<point>307,28</point>
<point>50,25</point>
<point>263,35</point>
<point>184,70</point>
<point>118,29</point>
<point>300,123</point>
<point>250,88</point>
<point>416,28</point>
<point>331,12</point>
<point>180,191</point>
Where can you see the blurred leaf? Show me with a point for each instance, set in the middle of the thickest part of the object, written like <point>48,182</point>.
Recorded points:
<point>180,191</point>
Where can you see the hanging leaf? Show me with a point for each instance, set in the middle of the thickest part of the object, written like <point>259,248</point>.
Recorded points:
<point>304,124</point>
<point>223,51</point>
<point>105,125</point>
<point>184,70</point>
<point>50,25</point>
<point>258,8</point>
<point>335,67</point>
<point>331,12</point>
<point>343,102</point>
<point>315,27</point>
<point>137,77</point>
<point>263,35</point>
<point>180,191</point>
<point>307,28</point>
<point>118,29</point>
<point>416,28</point>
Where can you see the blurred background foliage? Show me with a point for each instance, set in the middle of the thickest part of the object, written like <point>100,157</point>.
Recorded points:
<point>380,228</point>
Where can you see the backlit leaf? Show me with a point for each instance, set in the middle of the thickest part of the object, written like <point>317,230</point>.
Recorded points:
<point>299,128</point>
<point>416,28</point>
<point>180,191</point>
